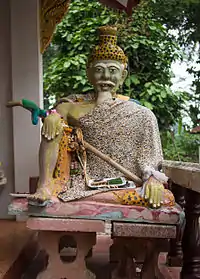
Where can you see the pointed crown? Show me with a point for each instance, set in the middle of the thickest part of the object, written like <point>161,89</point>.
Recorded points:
<point>107,49</point>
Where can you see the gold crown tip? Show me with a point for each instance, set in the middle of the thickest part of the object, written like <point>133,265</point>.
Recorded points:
<point>108,30</point>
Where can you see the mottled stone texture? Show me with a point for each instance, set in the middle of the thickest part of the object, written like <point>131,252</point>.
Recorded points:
<point>186,175</point>
<point>124,131</point>
<point>143,230</point>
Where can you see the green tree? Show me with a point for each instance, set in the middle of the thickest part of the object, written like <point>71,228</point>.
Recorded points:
<point>150,48</point>
<point>181,147</point>
<point>183,16</point>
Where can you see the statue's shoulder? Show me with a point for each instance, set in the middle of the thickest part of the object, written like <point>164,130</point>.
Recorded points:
<point>127,98</point>
<point>141,111</point>
<point>133,106</point>
<point>81,97</point>
<point>76,98</point>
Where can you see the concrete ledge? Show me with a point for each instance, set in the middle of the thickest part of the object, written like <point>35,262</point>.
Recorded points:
<point>143,230</point>
<point>65,225</point>
<point>184,174</point>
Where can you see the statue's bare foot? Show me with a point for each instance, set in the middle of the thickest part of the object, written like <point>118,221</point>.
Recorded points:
<point>42,197</point>
<point>46,194</point>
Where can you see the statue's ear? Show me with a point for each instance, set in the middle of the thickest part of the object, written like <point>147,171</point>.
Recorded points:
<point>124,76</point>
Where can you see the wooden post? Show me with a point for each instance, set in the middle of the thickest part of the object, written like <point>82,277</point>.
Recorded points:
<point>175,255</point>
<point>191,237</point>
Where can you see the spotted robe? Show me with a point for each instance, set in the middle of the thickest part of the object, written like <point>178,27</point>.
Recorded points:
<point>128,133</point>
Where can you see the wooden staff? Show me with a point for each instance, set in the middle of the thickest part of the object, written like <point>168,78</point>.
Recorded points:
<point>104,157</point>
<point>110,161</point>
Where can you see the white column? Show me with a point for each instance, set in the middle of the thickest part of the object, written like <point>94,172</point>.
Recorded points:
<point>26,83</point>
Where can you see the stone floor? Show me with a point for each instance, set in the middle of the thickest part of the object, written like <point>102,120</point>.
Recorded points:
<point>14,236</point>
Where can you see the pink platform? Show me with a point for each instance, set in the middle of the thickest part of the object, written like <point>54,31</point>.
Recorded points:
<point>100,211</point>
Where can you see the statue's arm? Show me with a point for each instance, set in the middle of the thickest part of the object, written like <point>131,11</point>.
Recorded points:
<point>151,155</point>
<point>63,109</point>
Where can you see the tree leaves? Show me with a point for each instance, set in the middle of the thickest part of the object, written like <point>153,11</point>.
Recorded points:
<point>67,64</point>
<point>180,146</point>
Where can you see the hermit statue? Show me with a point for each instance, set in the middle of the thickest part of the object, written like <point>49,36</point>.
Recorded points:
<point>100,146</point>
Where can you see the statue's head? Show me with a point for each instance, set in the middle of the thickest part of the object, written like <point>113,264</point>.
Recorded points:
<point>107,64</point>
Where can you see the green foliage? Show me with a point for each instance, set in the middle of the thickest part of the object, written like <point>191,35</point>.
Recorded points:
<point>65,73</point>
<point>166,105</point>
<point>149,47</point>
<point>183,16</point>
<point>183,147</point>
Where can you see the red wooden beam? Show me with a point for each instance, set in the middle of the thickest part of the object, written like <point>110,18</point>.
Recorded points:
<point>126,5</point>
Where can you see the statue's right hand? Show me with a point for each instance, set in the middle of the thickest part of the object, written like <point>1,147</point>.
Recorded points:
<point>52,126</point>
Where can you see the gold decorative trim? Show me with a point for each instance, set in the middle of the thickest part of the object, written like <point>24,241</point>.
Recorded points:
<point>51,13</point>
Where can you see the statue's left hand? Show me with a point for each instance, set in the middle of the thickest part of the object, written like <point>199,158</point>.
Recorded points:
<point>52,126</point>
<point>154,192</point>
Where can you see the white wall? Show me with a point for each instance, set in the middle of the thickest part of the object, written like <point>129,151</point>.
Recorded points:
<point>26,83</point>
<point>20,77</point>
<point>6,143</point>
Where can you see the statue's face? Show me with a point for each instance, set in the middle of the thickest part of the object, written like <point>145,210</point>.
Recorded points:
<point>106,75</point>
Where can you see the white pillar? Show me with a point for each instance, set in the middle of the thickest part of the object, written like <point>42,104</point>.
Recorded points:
<point>26,83</point>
